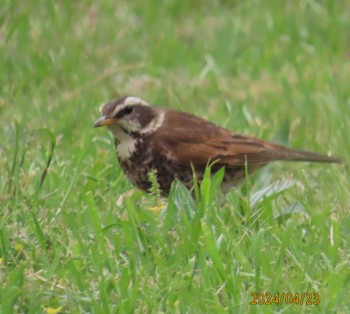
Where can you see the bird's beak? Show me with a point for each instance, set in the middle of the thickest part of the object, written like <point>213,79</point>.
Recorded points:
<point>104,121</point>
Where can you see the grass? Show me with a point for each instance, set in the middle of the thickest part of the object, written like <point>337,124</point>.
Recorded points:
<point>75,237</point>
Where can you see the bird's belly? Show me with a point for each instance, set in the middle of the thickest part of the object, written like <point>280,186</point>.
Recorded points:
<point>137,173</point>
<point>138,166</point>
<point>138,170</point>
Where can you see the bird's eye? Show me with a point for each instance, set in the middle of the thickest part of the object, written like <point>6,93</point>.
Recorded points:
<point>124,112</point>
<point>127,110</point>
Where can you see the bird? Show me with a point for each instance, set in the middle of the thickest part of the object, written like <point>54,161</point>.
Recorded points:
<point>179,145</point>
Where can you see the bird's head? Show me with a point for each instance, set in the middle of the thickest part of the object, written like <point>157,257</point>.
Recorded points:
<point>130,115</point>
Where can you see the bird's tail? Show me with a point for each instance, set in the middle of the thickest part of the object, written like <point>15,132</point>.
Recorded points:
<point>284,153</point>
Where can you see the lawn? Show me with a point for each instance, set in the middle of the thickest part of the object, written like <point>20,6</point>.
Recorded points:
<point>76,237</point>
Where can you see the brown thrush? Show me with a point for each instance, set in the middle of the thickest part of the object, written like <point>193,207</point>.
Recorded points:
<point>176,143</point>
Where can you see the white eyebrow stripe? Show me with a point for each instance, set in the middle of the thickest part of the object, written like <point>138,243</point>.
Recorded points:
<point>129,101</point>
<point>118,108</point>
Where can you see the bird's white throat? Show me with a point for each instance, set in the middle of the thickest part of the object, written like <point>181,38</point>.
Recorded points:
<point>126,143</point>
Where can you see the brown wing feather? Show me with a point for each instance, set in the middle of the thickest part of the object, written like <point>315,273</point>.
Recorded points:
<point>193,140</point>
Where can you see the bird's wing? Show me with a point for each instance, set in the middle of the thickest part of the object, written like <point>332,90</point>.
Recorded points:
<point>190,139</point>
